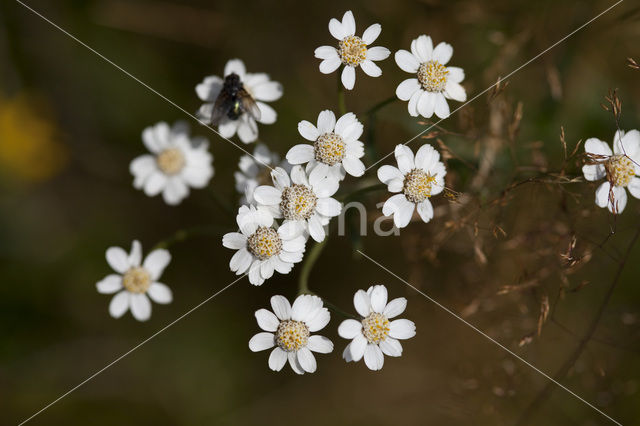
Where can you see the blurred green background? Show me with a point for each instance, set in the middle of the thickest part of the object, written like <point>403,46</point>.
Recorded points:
<point>70,124</point>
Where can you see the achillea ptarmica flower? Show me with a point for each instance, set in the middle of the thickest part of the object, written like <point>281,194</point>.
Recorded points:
<point>375,335</point>
<point>352,50</point>
<point>303,202</point>
<point>261,249</point>
<point>434,82</point>
<point>289,330</point>
<point>620,168</point>
<point>335,149</point>
<point>416,180</point>
<point>135,282</point>
<point>176,162</point>
<point>254,171</point>
<point>258,86</point>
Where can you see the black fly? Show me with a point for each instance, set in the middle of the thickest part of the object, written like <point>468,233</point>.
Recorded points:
<point>233,101</point>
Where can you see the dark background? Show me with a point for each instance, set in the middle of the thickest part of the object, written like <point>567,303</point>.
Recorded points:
<point>70,123</point>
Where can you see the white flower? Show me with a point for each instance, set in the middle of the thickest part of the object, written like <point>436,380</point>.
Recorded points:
<point>620,167</point>
<point>416,179</point>
<point>434,83</point>
<point>304,202</point>
<point>336,148</point>
<point>289,330</point>
<point>254,171</point>
<point>176,162</point>
<point>258,86</point>
<point>375,336</point>
<point>352,50</point>
<point>135,280</point>
<point>261,249</point>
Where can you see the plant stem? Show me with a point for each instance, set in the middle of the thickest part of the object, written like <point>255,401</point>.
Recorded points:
<point>311,258</point>
<point>361,191</point>
<point>575,355</point>
<point>374,109</point>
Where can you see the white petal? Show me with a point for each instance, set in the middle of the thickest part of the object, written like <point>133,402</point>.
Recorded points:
<point>234,240</point>
<point>456,74</point>
<point>155,183</point>
<point>319,320</point>
<point>404,212</point>
<point>327,66</point>
<point>262,341</point>
<point>357,347</point>
<point>326,52</point>
<point>268,115</point>
<point>412,106</point>
<point>320,344</point>
<point>402,329</point>
<point>307,360</point>
<point>395,307</point>
<point>406,61</point>
<point>254,273</point>
<point>210,88</point>
<point>277,359</point>
<point>353,166</point>
<point>371,34</point>
<point>156,261</point>
<point>442,107</point>
<point>348,77</point>
<point>300,154</point>
<point>391,347</point>
<point>281,307</point>
<point>602,194</point>
<point>336,29</point>
<point>302,307</point>
<point>427,103</point>
<point>407,88</point>
<point>228,128</point>
<point>346,353</point>
<point>370,68</point>
<point>619,201</point>
<point>425,210</point>
<point>326,121</point>
<point>329,207</point>
<point>387,173</point>
<point>349,23</point>
<point>442,53</point>
<point>393,204</point>
<point>267,195</point>
<point>308,131</point>
<point>349,329</point>
<point>373,357</point>
<point>634,187</point>
<point>422,48</point>
<point>598,147</point>
<point>175,191</point>
<point>235,66</point>
<point>247,130</point>
<point>267,320</point>
<point>316,230</point>
<point>404,157</point>
<point>141,168</point>
<point>110,284</point>
<point>362,303</point>
<point>345,121</point>
<point>378,298</point>
<point>240,261</point>
<point>268,91</point>
<point>160,293</point>
<point>293,362</point>
<point>628,144</point>
<point>140,307</point>
<point>455,91</point>
<point>119,304</point>
<point>593,171</point>
<point>378,53</point>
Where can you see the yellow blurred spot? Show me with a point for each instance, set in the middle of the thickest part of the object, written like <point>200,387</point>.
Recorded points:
<point>30,149</point>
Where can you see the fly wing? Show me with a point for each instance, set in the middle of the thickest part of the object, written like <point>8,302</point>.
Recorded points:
<point>249,105</point>
<point>221,108</point>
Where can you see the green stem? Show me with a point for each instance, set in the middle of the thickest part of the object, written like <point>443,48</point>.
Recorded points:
<point>342,103</point>
<point>355,194</point>
<point>374,109</point>
<point>311,258</point>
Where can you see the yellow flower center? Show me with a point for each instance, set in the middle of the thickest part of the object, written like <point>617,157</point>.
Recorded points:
<point>136,280</point>
<point>298,202</point>
<point>170,161</point>
<point>329,149</point>
<point>375,327</point>
<point>292,335</point>
<point>352,51</point>
<point>418,185</point>
<point>432,76</point>
<point>264,243</point>
<point>620,170</point>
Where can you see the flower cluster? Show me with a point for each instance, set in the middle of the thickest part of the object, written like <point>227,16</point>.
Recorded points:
<point>284,202</point>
